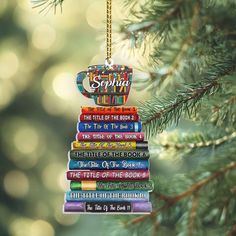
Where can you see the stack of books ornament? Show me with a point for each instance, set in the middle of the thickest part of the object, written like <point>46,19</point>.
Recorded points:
<point>109,161</point>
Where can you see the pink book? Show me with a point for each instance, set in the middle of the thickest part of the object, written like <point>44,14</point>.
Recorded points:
<point>109,117</point>
<point>110,136</point>
<point>108,175</point>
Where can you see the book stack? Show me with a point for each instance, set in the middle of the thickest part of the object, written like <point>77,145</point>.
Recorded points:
<point>109,163</point>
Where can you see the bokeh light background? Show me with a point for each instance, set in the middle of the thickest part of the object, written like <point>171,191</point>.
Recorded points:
<point>39,106</point>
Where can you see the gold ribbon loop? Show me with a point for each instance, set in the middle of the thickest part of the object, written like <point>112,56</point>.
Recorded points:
<point>109,30</point>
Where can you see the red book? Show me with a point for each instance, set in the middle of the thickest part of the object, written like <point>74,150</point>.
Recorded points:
<point>109,110</point>
<point>108,175</point>
<point>110,136</point>
<point>109,117</point>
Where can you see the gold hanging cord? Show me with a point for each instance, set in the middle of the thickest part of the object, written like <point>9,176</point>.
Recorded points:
<point>109,31</point>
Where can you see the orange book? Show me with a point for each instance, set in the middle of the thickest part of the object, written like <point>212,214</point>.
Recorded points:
<point>110,110</point>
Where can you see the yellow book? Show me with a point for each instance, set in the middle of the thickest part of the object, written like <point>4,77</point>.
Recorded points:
<point>81,145</point>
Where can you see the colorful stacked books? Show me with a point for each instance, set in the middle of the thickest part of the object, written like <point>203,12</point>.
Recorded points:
<point>109,163</point>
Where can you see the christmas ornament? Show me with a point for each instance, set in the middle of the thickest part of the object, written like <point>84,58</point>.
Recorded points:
<point>109,160</point>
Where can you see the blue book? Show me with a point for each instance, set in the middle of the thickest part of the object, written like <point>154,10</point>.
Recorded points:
<point>104,196</point>
<point>109,126</point>
<point>108,165</point>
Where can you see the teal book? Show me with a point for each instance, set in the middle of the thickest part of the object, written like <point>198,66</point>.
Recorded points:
<point>108,165</point>
<point>91,196</point>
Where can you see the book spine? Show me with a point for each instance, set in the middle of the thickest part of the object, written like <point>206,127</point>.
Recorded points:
<point>108,175</point>
<point>109,118</point>
<point>108,165</point>
<point>129,145</point>
<point>110,136</point>
<point>109,126</point>
<point>112,185</point>
<point>108,154</point>
<point>108,207</point>
<point>109,110</point>
<point>89,196</point>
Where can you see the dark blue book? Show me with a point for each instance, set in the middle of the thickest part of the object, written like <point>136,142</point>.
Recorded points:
<point>109,165</point>
<point>109,126</point>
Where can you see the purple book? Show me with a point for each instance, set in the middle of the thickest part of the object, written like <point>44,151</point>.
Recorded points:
<point>108,207</point>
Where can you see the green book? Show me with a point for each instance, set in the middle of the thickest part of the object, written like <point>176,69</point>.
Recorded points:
<point>112,185</point>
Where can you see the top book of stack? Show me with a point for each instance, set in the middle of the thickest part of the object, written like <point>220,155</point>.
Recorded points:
<point>109,110</point>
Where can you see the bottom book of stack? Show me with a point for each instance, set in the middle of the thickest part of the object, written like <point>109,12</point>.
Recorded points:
<point>108,207</point>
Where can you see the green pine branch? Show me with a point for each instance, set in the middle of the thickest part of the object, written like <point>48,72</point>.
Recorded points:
<point>159,113</point>
<point>196,140</point>
<point>232,230</point>
<point>193,41</point>
<point>222,109</point>
<point>47,5</point>
<point>157,17</point>
<point>224,113</point>
<point>175,62</point>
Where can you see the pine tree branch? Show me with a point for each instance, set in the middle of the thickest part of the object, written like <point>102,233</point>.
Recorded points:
<point>171,12</point>
<point>156,115</point>
<point>192,214</point>
<point>47,5</point>
<point>192,145</point>
<point>233,190</point>
<point>178,57</point>
<point>186,43</point>
<point>230,101</point>
<point>162,197</point>
<point>232,231</point>
<point>193,189</point>
<point>197,186</point>
<point>156,225</point>
<point>220,110</point>
<point>196,93</point>
<point>224,113</point>
<point>167,12</point>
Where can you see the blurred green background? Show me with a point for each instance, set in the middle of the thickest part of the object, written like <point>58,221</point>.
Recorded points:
<point>40,55</point>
